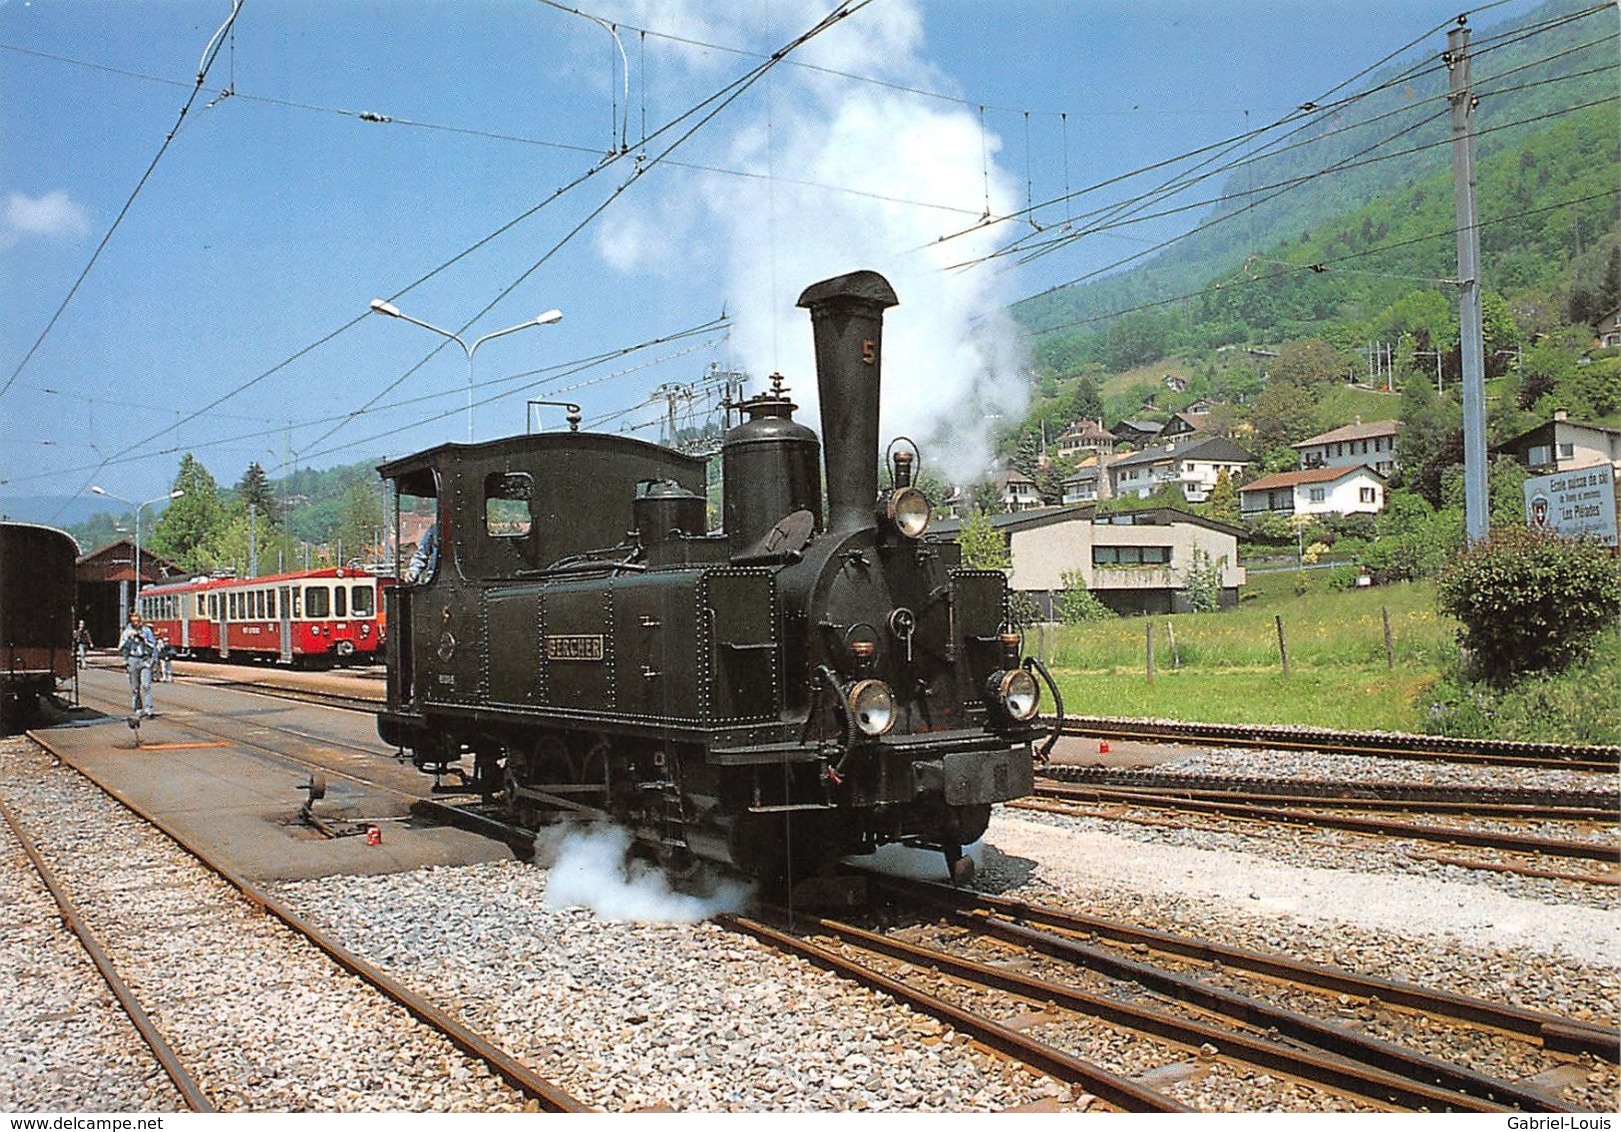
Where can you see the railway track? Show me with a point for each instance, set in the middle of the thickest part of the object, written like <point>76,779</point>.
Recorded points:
<point>1284,810</point>
<point>368,978</point>
<point>1600,805</point>
<point>94,947</point>
<point>1180,1018</point>
<point>1433,748</point>
<point>1196,988</point>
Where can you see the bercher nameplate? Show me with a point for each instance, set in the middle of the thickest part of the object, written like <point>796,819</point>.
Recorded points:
<point>578,647</point>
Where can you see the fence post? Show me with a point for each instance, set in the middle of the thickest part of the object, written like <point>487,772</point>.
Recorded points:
<point>1150,626</point>
<point>1283,649</point>
<point>1170,631</point>
<point>1390,653</point>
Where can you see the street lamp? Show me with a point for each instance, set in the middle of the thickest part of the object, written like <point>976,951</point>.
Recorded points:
<point>546,318</point>
<point>135,586</point>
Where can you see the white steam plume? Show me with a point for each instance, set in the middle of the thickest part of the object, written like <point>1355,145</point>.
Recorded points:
<point>844,175</point>
<point>592,868</point>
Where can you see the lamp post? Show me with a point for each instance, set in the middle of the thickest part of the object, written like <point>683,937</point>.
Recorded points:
<point>135,586</point>
<point>546,318</point>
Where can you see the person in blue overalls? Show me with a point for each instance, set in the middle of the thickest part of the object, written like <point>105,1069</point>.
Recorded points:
<point>139,648</point>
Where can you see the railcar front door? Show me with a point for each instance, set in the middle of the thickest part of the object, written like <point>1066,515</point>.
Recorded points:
<point>284,609</point>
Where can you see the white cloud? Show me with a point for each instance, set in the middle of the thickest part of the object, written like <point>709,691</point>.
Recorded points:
<point>846,175</point>
<point>53,216</point>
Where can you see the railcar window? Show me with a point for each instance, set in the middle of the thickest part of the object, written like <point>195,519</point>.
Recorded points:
<point>270,604</point>
<point>298,603</point>
<point>317,601</point>
<point>506,504</point>
<point>259,603</point>
<point>340,602</point>
<point>362,599</point>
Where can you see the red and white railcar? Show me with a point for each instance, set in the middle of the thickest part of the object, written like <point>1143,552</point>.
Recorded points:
<point>309,616</point>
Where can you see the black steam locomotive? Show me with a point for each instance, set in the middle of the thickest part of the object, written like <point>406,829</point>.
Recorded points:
<point>795,689</point>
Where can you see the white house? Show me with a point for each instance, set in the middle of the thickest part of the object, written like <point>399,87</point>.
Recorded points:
<point>1135,562</point>
<point>1015,491</point>
<point>1193,465</point>
<point>1563,445</point>
<point>1315,491</point>
<point>1373,444</point>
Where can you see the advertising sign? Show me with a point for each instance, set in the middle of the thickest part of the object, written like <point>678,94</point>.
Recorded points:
<point>1579,502</point>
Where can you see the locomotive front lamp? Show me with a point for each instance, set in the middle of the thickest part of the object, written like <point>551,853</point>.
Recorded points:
<point>907,510</point>
<point>1017,693</point>
<point>872,706</point>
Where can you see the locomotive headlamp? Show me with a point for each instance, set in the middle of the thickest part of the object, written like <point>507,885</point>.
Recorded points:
<point>872,706</point>
<point>1017,693</point>
<point>907,510</point>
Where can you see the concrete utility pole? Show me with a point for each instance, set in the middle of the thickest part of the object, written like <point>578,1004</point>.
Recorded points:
<point>1470,332</point>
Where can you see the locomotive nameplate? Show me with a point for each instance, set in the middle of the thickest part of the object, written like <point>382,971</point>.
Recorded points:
<point>580,646</point>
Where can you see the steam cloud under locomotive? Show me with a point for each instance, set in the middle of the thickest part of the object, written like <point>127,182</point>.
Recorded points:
<point>798,687</point>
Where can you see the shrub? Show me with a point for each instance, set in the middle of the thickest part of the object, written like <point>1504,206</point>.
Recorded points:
<point>1022,609</point>
<point>1530,601</point>
<point>1076,604</point>
<point>1201,585</point>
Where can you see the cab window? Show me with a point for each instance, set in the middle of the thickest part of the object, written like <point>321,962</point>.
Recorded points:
<point>506,504</point>
<point>317,601</point>
<point>362,600</point>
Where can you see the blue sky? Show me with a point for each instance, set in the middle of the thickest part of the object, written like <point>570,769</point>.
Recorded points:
<point>340,152</point>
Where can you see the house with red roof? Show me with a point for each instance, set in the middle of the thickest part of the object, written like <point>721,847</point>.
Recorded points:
<point>1314,491</point>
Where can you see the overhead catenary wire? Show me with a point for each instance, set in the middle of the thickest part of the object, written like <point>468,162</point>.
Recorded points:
<point>723,96</point>
<point>1315,266</point>
<point>210,53</point>
<point>557,372</point>
<point>1310,111</point>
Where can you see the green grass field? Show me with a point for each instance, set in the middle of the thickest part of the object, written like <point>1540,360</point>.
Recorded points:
<point>1225,667</point>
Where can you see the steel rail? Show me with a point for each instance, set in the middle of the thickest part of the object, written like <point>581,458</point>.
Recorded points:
<point>1527,802</point>
<point>520,839</point>
<point>1111,1087</point>
<point>187,1086</point>
<point>1436,748</point>
<point>1388,1056</point>
<point>1553,1031</point>
<point>510,1069</point>
<point>1326,1070</point>
<point>1449,835</point>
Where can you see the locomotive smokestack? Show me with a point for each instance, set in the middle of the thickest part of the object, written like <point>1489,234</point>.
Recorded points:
<point>847,319</point>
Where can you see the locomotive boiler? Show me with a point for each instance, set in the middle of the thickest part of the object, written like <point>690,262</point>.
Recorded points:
<point>803,685</point>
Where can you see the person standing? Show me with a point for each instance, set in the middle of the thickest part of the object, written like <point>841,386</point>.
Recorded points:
<point>81,642</point>
<point>165,659</point>
<point>139,648</point>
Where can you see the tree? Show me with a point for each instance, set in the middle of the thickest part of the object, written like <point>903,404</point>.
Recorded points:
<point>983,547</point>
<point>362,520</point>
<point>254,488</point>
<point>1223,499</point>
<point>1429,438</point>
<point>188,522</point>
<point>1308,363</point>
<point>1282,414</point>
<point>1086,403</point>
